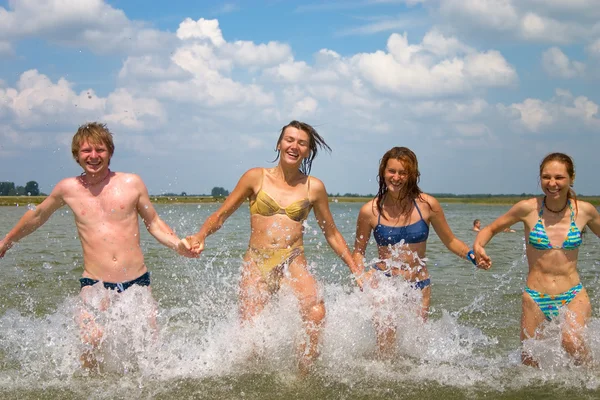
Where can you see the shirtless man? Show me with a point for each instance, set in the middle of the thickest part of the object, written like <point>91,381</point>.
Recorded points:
<point>106,205</point>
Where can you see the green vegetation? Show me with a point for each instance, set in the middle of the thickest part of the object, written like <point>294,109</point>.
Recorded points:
<point>20,200</point>
<point>31,188</point>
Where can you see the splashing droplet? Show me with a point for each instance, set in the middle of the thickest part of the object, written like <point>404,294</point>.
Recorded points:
<point>31,206</point>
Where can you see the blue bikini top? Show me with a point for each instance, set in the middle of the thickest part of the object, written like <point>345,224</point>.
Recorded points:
<point>413,233</point>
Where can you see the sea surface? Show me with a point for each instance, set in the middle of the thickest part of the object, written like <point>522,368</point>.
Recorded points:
<point>468,349</point>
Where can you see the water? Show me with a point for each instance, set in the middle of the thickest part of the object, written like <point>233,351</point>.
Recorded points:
<point>469,348</point>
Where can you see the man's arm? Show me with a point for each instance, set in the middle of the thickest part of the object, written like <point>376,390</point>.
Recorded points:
<point>154,224</point>
<point>33,219</point>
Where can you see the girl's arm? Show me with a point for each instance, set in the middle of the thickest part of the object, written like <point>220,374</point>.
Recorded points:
<point>332,234</point>
<point>243,190</point>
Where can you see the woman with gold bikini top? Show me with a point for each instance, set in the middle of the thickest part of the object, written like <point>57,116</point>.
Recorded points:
<point>263,204</point>
<point>280,201</point>
<point>553,228</point>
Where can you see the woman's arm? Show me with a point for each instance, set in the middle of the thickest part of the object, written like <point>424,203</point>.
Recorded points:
<point>363,234</point>
<point>333,236</point>
<point>439,223</point>
<point>243,190</point>
<point>592,216</point>
<point>517,213</point>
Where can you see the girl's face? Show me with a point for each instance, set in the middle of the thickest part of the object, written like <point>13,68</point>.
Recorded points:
<point>555,180</point>
<point>395,175</point>
<point>294,146</point>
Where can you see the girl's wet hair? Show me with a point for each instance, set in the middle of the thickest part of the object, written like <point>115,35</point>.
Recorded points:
<point>93,133</point>
<point>315,143</point>
<point>569,165</point>
<point>410,190</point>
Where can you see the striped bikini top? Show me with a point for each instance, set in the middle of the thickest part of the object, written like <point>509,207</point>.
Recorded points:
<point>538,238</point>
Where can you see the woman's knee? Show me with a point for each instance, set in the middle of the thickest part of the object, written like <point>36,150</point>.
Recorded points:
<point>573,342</point>
<point>314,312</point>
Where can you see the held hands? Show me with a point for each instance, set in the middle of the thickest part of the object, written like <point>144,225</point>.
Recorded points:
<point>482,259</point>
<point>183,249</point>
<point>190,245</point>
<point>359,281</point>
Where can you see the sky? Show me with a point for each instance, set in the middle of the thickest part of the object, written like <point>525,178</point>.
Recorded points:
<point>196,93</point>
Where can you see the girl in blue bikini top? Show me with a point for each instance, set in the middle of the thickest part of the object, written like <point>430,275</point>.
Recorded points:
<point>390,235</point>
<point>398,197</point>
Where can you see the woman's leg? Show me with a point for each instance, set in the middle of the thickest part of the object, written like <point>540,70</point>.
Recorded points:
<point>312,311</point>
<point>385,326</point>
<point>531,319</point>
<point>254,293</point>
<point>425,303</point>
<point>579,311</point>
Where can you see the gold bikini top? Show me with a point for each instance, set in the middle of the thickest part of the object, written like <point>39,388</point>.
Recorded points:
<point>265,205</point>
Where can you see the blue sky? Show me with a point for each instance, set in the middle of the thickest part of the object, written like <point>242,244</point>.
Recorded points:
<point>196,92</point>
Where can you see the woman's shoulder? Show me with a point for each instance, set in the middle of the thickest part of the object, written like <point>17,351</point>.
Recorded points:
<point>531,204</point>
<point>586,206</point>
<point>427,200</point>
<point>253,173</point>
<point>369,206</point>
<point>315,183</point>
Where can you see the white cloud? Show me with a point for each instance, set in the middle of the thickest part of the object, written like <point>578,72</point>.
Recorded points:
<point>91,23</point>
<point>151,68</point>
<point>557,64</point>
<point>563,113</point>
<point>248,54</point>
<point>417,70</point>
<point>305,107</point>
<point>543,21</point>
<point>547,30</point>
<point>495,14</point>
<point>36,100</point>
<point>203,29</point>
<point>384,24</point>
<point>594,48</point>
<point>133,112</point>
<point>533,114</point>
<point>290,71</point>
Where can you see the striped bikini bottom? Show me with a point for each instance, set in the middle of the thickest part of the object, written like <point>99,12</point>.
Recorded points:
<point>551,303</point>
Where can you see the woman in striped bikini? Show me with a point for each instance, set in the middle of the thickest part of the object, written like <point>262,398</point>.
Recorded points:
<point>553,226</point>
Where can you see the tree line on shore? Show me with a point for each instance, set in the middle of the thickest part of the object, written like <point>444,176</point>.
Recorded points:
<point>31,188</point>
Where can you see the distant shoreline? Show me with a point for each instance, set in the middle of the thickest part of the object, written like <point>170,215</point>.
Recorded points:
<point>13,201</point>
